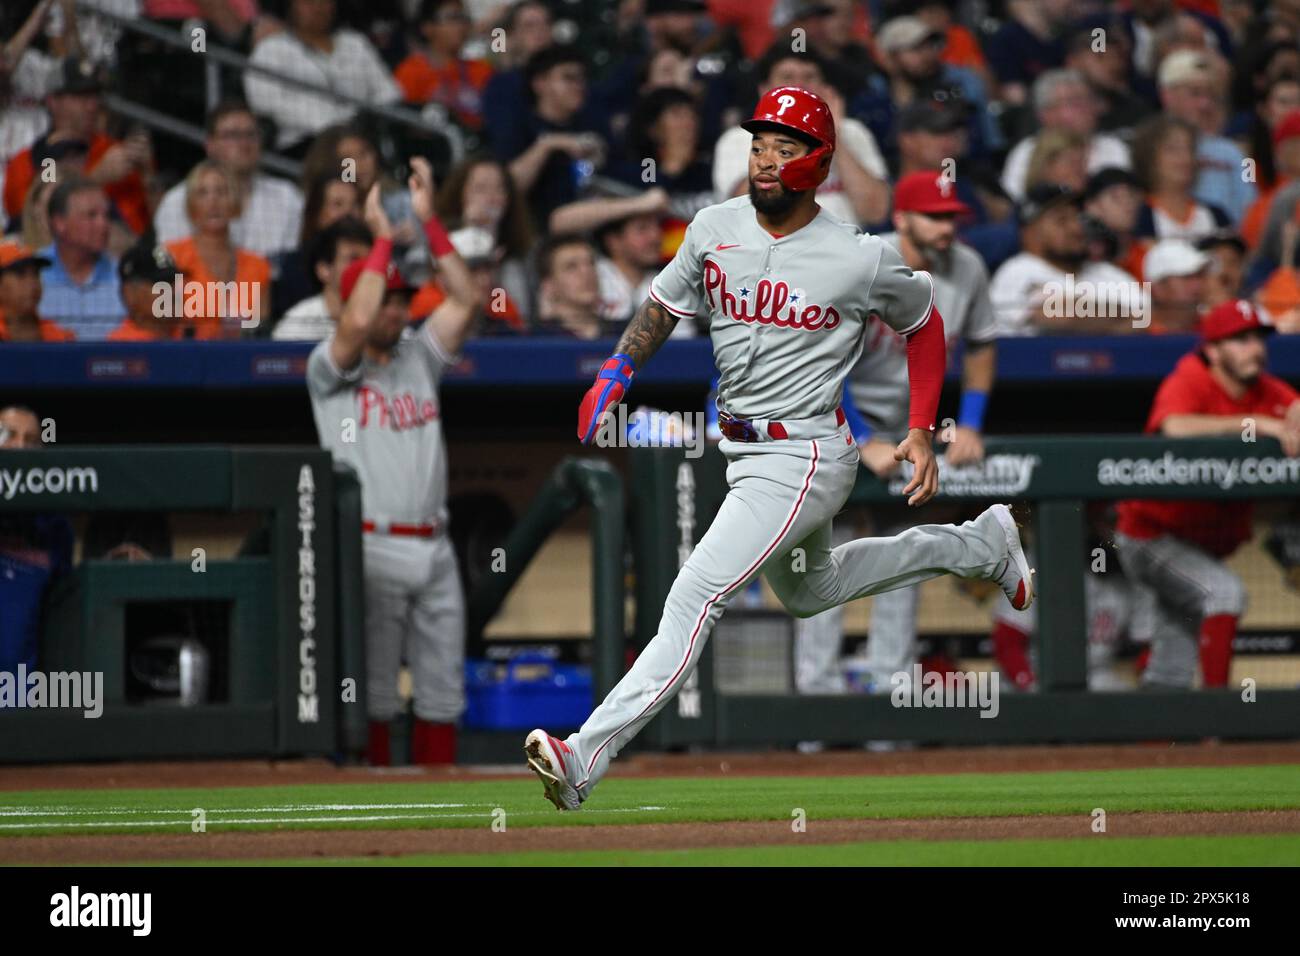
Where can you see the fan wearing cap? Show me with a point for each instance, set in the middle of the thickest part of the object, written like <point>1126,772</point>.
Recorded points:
<point>1177,272</point>
<point>1226,275</point>
<point>926,210</point>
<point>482,256</point>
<point>144,265</point>
<point>1191,88</point>
<point>1112,200</point>
<point>1178,548</point>
<point>20,297</point>
<point>911,54</point>
<point>1028,289</point>
<point>74,106</point>
<point>855,188</point>
<point>373,385</point>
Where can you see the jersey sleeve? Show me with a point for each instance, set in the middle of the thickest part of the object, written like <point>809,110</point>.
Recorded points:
<point>437,357</point>
<point>981,324</point>
<point>902,298</point>
<point>323,376</point>
<point>678,288</point>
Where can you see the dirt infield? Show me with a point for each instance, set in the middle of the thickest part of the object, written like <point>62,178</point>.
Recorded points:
<point>675,836</point>
<point>253,773</point>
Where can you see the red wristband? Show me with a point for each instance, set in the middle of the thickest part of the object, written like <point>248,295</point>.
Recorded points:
<point>380,253</point>
<point>439,243</point>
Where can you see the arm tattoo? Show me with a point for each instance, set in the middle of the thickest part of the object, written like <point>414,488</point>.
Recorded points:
<point>648,330</point>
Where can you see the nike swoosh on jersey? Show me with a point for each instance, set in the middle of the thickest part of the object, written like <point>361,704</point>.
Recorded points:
<point>725,245</point>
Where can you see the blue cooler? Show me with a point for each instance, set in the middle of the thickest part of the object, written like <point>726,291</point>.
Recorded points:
<point>529,691</point>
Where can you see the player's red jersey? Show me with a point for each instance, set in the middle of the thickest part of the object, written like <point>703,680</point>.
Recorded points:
<point>1219,527</point>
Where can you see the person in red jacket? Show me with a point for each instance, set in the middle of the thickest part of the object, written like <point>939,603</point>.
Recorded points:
<point>74,106</point>
<point>1178,548</point>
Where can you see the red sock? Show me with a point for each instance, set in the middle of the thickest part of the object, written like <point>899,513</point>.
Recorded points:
<point>1143,658</point>
<point>1011,651</point>
<point>1217,632</point>
<point>377,751</point>
<point>433,744</point>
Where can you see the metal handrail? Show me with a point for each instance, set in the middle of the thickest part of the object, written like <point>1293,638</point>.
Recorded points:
<point>226,57</point>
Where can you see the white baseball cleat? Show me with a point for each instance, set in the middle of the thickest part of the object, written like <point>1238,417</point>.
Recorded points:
<point>552,760</point>
<point>1013,573</point>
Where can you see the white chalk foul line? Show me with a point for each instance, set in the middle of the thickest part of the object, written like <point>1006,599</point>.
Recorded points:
<point>210,821</point>
<point>68,811</point>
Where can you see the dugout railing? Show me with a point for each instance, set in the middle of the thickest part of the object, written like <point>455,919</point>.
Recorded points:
<point>677,497</point>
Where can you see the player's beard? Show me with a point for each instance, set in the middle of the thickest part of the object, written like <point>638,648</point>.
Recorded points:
<point>937,259</point>
<point>775,204</point>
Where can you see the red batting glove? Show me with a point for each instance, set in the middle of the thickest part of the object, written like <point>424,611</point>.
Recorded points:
<point>612,382</point>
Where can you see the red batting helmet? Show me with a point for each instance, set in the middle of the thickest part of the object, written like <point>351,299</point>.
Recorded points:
<point>806,113</point>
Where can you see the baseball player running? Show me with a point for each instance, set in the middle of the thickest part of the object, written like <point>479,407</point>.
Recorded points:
<point>374,392</point>
<point>789,290</point>
<point>925,211</point>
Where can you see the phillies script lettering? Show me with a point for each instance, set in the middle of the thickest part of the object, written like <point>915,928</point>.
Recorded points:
<point>398,413</point>
<point>768,303</point>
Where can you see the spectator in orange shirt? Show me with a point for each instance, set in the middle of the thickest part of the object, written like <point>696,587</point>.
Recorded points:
<point>142,266</point>
<point>436,73</point>
<point>74,106</point>
<point>1286,166</point>
<point>208,257</point>
<point>20,294</point>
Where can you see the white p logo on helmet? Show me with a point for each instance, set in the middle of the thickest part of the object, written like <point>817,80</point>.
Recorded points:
<point>786,101</point>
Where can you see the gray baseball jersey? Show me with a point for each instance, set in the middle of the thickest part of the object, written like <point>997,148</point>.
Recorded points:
<point>787,314</point>
<point>878,383</point>
<point>385,421</point>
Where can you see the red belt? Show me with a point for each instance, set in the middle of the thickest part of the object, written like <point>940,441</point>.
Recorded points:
<point>409,530</point>
<point>742,429</point>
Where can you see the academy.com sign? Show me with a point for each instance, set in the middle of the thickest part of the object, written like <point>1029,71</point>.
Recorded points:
<point>996,476</point>
<point>1172,469</point>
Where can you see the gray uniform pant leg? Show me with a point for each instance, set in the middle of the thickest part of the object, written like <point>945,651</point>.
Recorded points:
<point>1189,584</point>
<point>779,492</point>
<point>818,639</point>
<point>414,604</point>
<point>437,641</point>
<point>867,566</point>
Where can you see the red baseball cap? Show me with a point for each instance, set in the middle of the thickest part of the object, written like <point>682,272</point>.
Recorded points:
<point>1230,318</point>
<point>1287,128</point>
<point>927,191</point>
<point>394,283</point>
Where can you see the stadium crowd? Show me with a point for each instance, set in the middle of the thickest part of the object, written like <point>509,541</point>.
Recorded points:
<point>1112,142</point>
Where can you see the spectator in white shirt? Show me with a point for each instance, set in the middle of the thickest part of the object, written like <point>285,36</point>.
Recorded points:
<point>1064,101</point>
<point>335,248</point>
<point>856,190</point>
<point>270,209</point>
<point>632,256</point>
<point>1051,287</point>
<point>340,61</point>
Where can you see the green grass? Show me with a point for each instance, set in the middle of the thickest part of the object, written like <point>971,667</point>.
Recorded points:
<point>1098,850</point>
<point>636,801</point>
